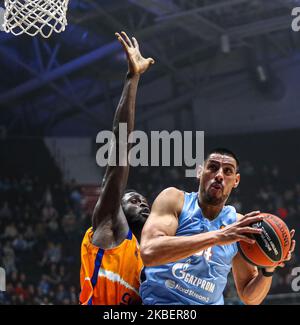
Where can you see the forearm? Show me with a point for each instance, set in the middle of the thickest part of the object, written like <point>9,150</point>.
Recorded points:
<point>125,112</point>
<point>166,249</point>
<point>116,175</point>
<point>256,290</point>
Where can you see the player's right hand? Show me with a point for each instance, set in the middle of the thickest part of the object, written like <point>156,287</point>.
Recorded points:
<point>240,230</point>
<point>137,64</point>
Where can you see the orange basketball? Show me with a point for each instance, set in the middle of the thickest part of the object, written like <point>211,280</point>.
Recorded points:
<point>271,246</point>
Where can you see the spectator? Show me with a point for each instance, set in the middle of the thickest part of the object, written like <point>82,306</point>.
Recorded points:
<point>43,286</point>
<point>9,259</point>
<point>5,211</point>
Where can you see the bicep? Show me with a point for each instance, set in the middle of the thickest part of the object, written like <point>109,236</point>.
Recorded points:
<point>160,225</point>
<point>163,219</point>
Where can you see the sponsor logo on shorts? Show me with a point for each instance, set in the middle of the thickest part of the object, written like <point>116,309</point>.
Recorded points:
<point>192,293</point>
<point>170,284</point>
<point>174,285</point>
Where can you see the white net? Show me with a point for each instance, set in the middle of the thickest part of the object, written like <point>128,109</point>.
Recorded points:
<point>35,16</point>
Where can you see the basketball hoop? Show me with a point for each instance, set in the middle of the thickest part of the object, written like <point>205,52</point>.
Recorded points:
<point>35,16</point>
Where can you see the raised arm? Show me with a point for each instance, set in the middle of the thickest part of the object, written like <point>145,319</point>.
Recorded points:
<point>159,245</point>
<point>115,178</point>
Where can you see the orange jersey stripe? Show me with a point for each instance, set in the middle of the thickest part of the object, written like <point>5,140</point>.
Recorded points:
<point>112,276</point>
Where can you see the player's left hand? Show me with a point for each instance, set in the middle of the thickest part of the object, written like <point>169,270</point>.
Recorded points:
<point>290,253</point>
<point>288,256</point>
<point>137,64</point>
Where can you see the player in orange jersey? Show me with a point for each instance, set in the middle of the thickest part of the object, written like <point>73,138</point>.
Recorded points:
<point>110,256</point>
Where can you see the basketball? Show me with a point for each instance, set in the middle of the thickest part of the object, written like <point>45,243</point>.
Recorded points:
<point>271,246</point>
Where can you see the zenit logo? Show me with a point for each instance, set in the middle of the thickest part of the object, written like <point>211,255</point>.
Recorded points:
<point>296,20</point>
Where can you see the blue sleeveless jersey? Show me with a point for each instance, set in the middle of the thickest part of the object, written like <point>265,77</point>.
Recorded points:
<point>199,279</point>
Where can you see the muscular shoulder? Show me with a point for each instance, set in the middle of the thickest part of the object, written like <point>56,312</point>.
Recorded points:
<point>172,193</point>
<point>171,199</point>
<point>163,219</point>
<point>239,216</point>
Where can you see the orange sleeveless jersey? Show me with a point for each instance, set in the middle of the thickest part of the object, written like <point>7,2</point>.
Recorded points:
<point>110,276</point>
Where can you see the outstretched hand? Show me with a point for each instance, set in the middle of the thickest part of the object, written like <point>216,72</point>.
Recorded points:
<point>137,64</point>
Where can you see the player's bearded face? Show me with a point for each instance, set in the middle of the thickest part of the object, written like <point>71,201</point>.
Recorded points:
<point>136,208</point>
<point>218,177</point>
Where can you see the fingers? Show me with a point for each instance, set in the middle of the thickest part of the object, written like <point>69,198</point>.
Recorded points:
<point>251,214</point>
<point>250,230</point>
<point>290,253</point>
<point>127,39</point>
<point>126,42</point>
<point>293,246</point>
<point>246,239</point>
<point>249,220</point>
<point>288,257</point>
<point>150,61</point>
<point>135,43</point>
<point>121,40</point>
<point>292,233</point>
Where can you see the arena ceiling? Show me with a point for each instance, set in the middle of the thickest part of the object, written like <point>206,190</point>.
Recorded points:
<point>77,73</point>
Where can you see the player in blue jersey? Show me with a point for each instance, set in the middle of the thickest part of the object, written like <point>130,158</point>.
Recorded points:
<point>188,243</point>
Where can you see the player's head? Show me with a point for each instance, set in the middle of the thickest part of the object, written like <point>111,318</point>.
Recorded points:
<point>136,209</point>
<point>218,176</point>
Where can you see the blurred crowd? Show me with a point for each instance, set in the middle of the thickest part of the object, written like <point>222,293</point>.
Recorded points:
<point>41,227</point>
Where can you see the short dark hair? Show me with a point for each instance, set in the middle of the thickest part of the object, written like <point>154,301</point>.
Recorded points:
<point>226,152</point>
<point>130,190</point>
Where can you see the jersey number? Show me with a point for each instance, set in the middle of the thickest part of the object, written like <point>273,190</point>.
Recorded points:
<point>206,253</point>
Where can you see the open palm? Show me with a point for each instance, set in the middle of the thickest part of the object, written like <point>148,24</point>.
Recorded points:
<point>137,64</point>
